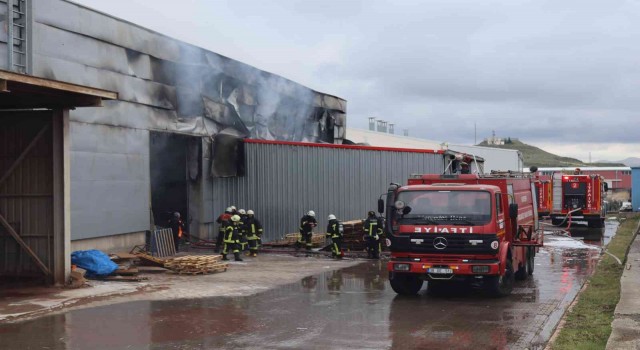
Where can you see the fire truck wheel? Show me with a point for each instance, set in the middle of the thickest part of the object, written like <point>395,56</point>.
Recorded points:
<point>405,284</point>
<point>500,286</point>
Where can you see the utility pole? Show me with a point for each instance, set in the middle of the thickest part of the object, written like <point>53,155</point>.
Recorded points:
<point>475,134</point>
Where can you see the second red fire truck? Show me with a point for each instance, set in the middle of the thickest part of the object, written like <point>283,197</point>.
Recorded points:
<point>578,199</point>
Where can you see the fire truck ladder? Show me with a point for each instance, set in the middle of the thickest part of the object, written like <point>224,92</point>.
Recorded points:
<point>18,28</point>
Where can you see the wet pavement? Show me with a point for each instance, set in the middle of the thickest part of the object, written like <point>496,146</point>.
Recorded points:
<point>349,308</point>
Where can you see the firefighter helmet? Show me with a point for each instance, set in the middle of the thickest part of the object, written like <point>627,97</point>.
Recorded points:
<point>233,207</point>
<point>331,217</point>
<point>371,213</point>
<point>311,213</point>
<point>235,218</point>
<point>228,210</point>
<point>177,215</point>
<point>241,211</point>
<point>250,212</point>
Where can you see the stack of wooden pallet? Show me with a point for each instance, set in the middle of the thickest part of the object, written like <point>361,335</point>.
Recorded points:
<point>352,236</point>
<point>196,264</point>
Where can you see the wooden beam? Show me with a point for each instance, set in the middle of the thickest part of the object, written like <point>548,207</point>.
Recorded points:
<point>24,245</point>
<point>3,85</point>
<point>56,85</point>
<point>24,153</point>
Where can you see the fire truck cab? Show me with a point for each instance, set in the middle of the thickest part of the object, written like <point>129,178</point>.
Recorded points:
<point>473,228</point>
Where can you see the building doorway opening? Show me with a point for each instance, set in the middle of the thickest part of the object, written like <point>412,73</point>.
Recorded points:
<point>168,170</point>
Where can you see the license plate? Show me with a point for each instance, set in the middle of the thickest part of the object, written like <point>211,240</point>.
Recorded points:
<point>439,270</point>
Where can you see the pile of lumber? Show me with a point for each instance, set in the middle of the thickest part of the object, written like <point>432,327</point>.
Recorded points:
<point>196,264</point>
<point>127,270</point>
<point>352,236</point>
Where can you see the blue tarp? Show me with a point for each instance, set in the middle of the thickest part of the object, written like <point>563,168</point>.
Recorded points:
<point>94,261</point>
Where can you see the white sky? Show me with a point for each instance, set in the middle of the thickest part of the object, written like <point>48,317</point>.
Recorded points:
<point>561,75</point>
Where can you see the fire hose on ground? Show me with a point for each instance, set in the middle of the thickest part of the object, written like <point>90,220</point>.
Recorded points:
<point>565,233</point>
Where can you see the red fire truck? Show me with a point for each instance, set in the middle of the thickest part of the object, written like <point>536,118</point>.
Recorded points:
<point>473,228</point>
<point>544,197</point>
<point>578,199</point>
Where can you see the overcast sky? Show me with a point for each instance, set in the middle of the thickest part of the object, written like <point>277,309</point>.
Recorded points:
<point>561,75</point>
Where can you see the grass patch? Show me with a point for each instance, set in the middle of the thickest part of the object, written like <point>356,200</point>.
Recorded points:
<point>588,324</point>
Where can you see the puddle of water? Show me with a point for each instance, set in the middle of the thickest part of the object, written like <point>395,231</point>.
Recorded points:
<point>349,308</point>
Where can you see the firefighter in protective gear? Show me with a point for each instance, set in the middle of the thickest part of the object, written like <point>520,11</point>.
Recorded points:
<point>222,220</point>
<point>334,231</point>
<point>243,229</point>
<point>307,223</point>
<point>231,238</point>
<point>254,232</point>
<point>177,229</point>
<point>372,231</point>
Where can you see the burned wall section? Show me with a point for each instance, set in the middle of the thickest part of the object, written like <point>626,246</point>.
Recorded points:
<point>163,85</point>
<point>285,180</point>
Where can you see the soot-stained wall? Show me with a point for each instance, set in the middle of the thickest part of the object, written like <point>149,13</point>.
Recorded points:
<point>163,85</point>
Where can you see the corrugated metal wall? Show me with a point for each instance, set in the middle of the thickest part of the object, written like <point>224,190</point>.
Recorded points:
<point>283,181</point>
<point>163,85</point>
<point>109,180</point>
<point>635,188</point>
<point>26,196</point>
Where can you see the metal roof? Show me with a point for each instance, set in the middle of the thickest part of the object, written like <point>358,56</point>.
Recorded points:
<point>381,139</point>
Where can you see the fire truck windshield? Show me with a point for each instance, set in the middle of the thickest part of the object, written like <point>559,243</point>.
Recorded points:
<point>445,207</point>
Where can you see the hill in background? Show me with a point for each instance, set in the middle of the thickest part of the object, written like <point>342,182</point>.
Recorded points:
<point>631,161</point>
<point>534,156</point>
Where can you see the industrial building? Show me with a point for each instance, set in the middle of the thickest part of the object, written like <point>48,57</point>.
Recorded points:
<point>494,159</point>
<point>164,126</point>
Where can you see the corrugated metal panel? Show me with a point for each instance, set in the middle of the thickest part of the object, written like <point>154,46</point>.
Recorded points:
<point>26,197</point>
<point>635,184</point>
<point>557,192</point>
<point>109,180</point>
<point>282,182</point>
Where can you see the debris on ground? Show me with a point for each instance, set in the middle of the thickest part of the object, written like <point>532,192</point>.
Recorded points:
<point>76,278</point>
<point>94,261</point>
<point>196,264</point>
<point>290,239</point>
<point>151,269</point>
<point>118,278</point>
<point>146,258</point>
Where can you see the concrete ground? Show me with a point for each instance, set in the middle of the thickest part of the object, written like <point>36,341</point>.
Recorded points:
<point>251,276</point>
<point>625,333</point>
<point>286,302</point>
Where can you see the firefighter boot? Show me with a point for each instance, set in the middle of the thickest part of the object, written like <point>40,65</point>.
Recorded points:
<point>224,257</point>
<point>237,256</point>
